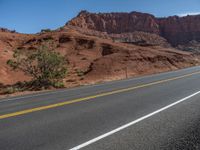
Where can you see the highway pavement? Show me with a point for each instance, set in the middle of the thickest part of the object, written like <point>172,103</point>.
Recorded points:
<point>153,112</point>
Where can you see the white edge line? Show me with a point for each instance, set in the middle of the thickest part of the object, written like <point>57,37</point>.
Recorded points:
<point>131,123</point>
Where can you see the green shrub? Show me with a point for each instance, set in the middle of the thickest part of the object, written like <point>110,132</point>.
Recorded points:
<point>45,30</point>
<point>80,73</point>
<point>10,90</point>
<point>58,85</point>
<point>44,65</point>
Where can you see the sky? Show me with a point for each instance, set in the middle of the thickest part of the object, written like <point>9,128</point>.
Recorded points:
<point>30,16</point>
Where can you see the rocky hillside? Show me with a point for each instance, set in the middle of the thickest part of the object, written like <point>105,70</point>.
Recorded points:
<point>137,37</point>
<point>140,38</point>
<point>9,41</point>
<point>93,59</point>
<point>97,47</point>
<point>177,30</point>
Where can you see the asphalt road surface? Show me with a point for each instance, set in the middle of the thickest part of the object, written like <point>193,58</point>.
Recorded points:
<point>159,111</point>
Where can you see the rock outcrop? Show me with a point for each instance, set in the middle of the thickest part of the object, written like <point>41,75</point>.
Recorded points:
<point>180,30</point>
<point>140,38</point>
<point>177,30</point>
<point>116,22</point>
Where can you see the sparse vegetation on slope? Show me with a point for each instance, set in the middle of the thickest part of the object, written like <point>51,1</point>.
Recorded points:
<point>45,66</point>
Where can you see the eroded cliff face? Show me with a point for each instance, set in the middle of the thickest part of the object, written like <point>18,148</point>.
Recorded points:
<point>177,30</point>
<point>116,22</point>
<point>180,30</point>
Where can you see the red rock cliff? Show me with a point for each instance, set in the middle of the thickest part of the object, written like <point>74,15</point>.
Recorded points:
<point>177,30</point>
<point>180,30</point>
<point>116,22</point>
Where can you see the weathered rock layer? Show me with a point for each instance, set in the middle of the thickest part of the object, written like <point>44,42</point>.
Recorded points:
<point>177,30</point>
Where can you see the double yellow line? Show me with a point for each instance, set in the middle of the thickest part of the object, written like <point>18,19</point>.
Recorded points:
<point>27,111</point>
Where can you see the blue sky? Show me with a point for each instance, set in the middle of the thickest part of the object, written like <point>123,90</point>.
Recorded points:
<point>30,16</point>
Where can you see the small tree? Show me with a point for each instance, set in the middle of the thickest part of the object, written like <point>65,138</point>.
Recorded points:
<point>44,65</point>
<point>45,30</point>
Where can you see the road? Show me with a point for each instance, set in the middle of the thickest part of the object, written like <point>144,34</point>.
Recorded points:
<point>152,112</point>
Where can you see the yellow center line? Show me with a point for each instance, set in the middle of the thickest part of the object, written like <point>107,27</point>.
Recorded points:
<point>18,113</point>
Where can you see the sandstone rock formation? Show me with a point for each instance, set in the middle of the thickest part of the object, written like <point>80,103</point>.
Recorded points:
<point>177,30</point>
<point>116,22</point>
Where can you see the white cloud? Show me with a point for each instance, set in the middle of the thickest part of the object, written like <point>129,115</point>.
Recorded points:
<point>189,13</point>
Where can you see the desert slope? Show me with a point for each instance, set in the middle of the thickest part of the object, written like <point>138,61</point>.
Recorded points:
<point>93,59</point>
